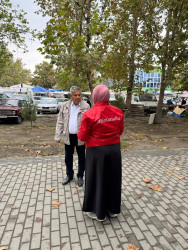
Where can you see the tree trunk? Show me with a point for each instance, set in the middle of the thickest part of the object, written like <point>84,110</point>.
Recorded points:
<point>161,96</point>
<point>132,63</point>
<point>88,35</point>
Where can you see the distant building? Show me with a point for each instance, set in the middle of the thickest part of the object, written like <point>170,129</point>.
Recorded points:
<point>148,80</point>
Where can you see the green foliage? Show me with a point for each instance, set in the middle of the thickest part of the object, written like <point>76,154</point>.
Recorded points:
<point>29,112</point>
<point>44,75</point>
<point>166,23</point>
<point>124,144</point>
<point>13,27</point>
<point>119,102</point>
<point>5,57</point>
<point>13,24</point>
<point>71,39</point>
<point>14,73</point>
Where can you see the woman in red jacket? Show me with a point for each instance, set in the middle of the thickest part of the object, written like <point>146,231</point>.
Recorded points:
<point>100,129</point>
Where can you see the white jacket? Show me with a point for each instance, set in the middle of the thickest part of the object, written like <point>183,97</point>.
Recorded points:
<point>62,125</point>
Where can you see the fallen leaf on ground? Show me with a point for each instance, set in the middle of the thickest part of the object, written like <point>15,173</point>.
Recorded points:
<point>37,183</point>
<point>155,187</point>
<point>77,186</point>
<point>77,192</point>
<point>25,183</point>
<point>2,248</point>
<point>169,174</point>
<point>50,189</point>
<point>38,152</point>
<point>38,219</point>
<point>63,244</point>
<point>13,207</point>
<point>26,149</point>
<point>56,204</point>
<point>176,168</point>
<point>181,177</point>
<point>132,247</point>
<point>146,180</point>
<point>139,195</point>
<point>125,150</point>
<point>63,164</point>
<point>165,147</point>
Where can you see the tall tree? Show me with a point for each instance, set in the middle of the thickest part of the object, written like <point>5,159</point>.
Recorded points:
<point>44,75</point>
<point>14,73</point>
<point>13,27</point>
<point>166,23</point>
<point>5,57</point>
<point>126,45</point>
<point>70,38</point>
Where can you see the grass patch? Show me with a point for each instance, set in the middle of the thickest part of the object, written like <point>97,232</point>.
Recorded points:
<point>125,144</point>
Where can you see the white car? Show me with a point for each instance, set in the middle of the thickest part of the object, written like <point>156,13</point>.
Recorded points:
<point>60,101</point>
<point>47,105</point>
<point>37,99</point>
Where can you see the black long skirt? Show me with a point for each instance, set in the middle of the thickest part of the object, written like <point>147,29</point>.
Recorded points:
<point>103,180</point>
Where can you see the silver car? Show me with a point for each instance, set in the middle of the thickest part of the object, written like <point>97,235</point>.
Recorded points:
<point>37,99</point>
<point>47,105</point>
<point>60,101</point>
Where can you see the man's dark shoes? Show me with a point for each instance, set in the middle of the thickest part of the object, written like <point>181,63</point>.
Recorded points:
<point>80,181</point>
<point>66,180</point>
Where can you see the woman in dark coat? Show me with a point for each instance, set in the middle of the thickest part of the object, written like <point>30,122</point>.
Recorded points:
<point>100,129</point>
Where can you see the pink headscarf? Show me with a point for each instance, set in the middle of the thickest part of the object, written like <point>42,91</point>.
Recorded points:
<point>101,93</point>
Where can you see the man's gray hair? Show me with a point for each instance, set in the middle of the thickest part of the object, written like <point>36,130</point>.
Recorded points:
<point>74,88</point>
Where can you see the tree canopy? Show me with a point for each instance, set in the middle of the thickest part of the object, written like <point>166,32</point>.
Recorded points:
<point>71,38</point>
<point>14,73</point>
<point>116,38</point>
<point>44,75</point>
<point>13,27</point>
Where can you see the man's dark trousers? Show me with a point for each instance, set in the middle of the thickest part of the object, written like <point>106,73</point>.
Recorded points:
<point>69,151</point>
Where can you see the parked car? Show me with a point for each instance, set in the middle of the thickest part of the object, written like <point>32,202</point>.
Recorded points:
<point>3,95</point>
<point>60,101</point>
<point>9,93</point>
<point>27,98</point>
<point>11,109</point>
<point>37,99</point>
<point>149,102</point>
<point>47,105</point>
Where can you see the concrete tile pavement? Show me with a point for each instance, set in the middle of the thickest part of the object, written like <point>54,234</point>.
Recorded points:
<point>149,219</point>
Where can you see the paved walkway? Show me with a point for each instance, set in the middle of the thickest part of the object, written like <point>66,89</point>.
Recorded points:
<point>149,219</point>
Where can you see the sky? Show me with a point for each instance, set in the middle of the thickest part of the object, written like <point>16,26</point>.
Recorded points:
<point>32,57</point>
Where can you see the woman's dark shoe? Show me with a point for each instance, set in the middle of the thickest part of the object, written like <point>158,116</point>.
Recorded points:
<point>66,180</point>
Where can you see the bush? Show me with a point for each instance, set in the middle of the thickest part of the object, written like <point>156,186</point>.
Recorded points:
<point>119,102</point>
<point>29,112</point>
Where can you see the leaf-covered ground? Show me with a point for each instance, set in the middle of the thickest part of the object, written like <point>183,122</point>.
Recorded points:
<point>22,140</point>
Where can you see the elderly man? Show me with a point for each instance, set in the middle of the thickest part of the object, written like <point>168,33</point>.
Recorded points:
<point>67,126</point>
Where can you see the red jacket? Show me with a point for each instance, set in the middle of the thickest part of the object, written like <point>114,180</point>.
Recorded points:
<point>101,125</point>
